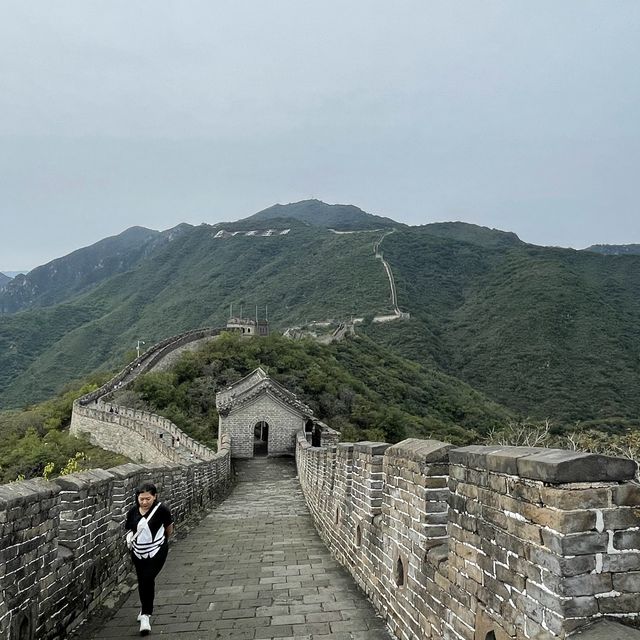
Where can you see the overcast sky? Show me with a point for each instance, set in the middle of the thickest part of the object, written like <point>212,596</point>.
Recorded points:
<point>519,115</point>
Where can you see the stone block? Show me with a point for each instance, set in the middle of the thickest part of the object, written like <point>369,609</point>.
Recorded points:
<point>627,582</point>
<point>621,562</point>
<point>575,544</point>
<point>626,495</point>
<point>558,466</point>
<point>621,518</point>
<point>371,448</point>
<point>523,490</point>
<point>616,604</point>
<point>587,584</point>
<point>505,459</point>
<point>473,456</point>
<point>559,565</point>
<point>576,499</point>
<point>560,521</point>
<point>623,540</point>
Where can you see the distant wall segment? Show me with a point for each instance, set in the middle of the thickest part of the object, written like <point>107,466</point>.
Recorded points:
<point>480,542</point>
<point>139,435</point>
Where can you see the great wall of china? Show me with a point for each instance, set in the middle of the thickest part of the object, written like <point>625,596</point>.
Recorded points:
<point>473,543</point>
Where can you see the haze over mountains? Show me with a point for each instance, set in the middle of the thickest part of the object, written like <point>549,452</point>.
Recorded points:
<point>546,332</point>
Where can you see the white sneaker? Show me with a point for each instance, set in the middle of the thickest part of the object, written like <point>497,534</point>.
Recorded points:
<point>145,625</point>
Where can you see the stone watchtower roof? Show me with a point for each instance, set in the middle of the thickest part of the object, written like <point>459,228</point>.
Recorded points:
<point>250,387</point>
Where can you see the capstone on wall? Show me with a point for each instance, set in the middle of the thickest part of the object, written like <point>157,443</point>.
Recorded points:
<point>284,424</point>
<point>480,542</point>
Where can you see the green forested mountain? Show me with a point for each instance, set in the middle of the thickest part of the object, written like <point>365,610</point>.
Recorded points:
<point>4,279</point>
<point>549,332</point>
<point>546,332</point>
<point>66,277</point>
<point>310,273</point>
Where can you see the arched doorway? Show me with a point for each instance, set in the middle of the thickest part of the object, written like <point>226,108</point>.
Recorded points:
<point>261,438</point>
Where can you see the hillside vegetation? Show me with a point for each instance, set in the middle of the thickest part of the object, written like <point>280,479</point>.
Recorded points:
<point>343,217</point>
<point>36,441</point>
<point>548,332</point>
<point>364,390</point>
<point>64,278</point>
<point>308,274</point>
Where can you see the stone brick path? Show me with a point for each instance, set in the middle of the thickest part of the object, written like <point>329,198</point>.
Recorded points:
<point>254,568</point>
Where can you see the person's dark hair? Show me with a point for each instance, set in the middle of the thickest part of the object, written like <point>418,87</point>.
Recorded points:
<point>147,487</point>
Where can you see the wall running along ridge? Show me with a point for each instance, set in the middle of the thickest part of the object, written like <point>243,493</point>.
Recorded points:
<point>134,433</point>
<point>458,543</point>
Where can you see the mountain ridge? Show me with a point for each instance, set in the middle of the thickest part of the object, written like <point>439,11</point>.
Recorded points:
<point>82,269</point>
<point>338,216</point>
<point>615,249</point>
<point>546,332</point>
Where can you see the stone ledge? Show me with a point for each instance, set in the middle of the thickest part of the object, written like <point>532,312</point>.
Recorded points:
<point>558,466</point>
<point>555,466</point>
<point>420,450</point>
<point>83,479</point>
<point>371,448</point>
<point>18,492</point>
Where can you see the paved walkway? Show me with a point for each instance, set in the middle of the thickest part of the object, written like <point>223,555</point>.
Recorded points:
<point>254,568</point>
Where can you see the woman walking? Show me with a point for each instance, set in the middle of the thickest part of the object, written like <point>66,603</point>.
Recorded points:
<point>149,524</point>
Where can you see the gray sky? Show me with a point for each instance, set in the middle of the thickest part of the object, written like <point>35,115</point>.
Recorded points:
<point>519,115</point>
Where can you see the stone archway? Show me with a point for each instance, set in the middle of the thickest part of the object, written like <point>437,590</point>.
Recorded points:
<point>261,438</point>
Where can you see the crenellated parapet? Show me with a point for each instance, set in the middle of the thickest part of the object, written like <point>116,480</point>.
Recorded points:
<point>140,435</point>
<point>479,542</point>
<point>62,547</point>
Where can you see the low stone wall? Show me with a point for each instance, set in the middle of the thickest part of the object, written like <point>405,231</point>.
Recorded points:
<point>135,434</point>
<point>480,542</point>
<point>139,435</point>
<point>62,547</point>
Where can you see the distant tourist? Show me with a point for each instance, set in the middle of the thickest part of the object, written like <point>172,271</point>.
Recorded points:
<point>149,524</point>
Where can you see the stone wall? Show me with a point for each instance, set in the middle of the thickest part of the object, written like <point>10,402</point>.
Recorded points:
<point>480,542</point>
<point>139,435</point>
<point>135,434</point>
<point>62,547</point>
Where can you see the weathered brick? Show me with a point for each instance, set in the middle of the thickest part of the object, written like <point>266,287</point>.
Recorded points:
<point>572,500</point>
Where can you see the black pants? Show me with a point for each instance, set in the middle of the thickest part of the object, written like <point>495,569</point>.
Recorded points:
<point>147,569</point>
